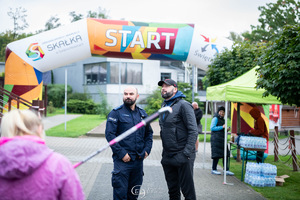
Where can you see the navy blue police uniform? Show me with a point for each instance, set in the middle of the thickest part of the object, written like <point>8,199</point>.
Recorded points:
<point>127,177</point>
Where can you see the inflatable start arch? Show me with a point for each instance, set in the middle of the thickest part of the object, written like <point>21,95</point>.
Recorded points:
<point>28,58</point>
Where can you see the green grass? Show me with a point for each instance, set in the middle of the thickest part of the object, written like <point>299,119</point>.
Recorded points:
<point>56,112</point>
<point>76,127</point>
<point>201,136</point>
<point>289,190</point>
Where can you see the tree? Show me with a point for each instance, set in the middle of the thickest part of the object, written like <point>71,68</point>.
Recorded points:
<point>19,17</point>
<point>280,72</point>
<point>155,100</point>
<point>235,37</point>
<point>75,17</point>
<point>6,38</point>
<point>273,17</point>
<point>100,14</point>
<point>52,23</point>
<point>233,63</point>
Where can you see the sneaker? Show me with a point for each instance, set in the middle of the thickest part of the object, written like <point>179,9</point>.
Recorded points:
<point>229,173</point>
<point>215,172</point>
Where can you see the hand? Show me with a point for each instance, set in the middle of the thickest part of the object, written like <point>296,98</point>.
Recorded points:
<point>146,155</point>
<point>126,158</point>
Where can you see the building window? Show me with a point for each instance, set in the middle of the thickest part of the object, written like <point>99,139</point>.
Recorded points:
<point>164,76</point>
<point>131,73</point>
<point>105,72</point>
<point>114,73</point>
<point>95,73</point>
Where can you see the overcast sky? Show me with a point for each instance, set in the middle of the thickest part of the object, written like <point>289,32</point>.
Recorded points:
<point>217,17</point>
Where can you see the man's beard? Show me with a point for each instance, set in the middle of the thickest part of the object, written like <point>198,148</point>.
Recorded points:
<point>129,102</point>
<point>167,95</point>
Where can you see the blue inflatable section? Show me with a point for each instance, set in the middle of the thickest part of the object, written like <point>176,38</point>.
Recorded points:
<point>251,154</point>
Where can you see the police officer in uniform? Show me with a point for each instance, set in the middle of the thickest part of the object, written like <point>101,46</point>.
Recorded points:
<point>129,153</point>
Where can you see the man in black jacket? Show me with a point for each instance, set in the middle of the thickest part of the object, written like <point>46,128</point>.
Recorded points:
<point>179,135</point>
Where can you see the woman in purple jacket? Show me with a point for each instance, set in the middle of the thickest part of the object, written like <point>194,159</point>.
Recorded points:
<point>28,168</point>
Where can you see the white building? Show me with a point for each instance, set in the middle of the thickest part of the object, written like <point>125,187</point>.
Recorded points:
<point>98,74</point>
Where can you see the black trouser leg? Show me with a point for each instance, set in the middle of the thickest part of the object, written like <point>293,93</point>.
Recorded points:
<point>227,168</point>
<point>172,178</point>
<point>187,181</point>
<point>259,156</point>
<point>215,163</point>
<point>180,178</point>
<point>192,161</point>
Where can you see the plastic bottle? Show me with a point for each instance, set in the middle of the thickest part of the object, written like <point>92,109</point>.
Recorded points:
<point>273,182</point>
<point>255,142</point>
<point>260,181</point>
<point>242,142</point>
<point>259,143</point>
<point>264,143</point>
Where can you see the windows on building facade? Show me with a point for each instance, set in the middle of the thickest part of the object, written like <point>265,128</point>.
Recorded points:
<point>108,73</point>
<point>95,73</point>
<point>164,76</point>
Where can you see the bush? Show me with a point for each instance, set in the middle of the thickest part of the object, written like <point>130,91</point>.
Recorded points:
<point>82,107</point>
<point>79,96</point>
<point>56,94</point>
<point>50,107</point>
<point>155,100</point>
<point>103,107</point>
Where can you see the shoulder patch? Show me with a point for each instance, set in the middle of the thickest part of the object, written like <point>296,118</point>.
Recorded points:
<point>142,113</point>
<point>118,108</point>
<point>111,119</point>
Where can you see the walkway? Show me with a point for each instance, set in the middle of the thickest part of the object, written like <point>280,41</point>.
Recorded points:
<point>95,175</point>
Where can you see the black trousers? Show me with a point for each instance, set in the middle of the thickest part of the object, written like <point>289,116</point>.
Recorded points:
<point>180,177</point>
<point>215,163</point>
<point>259,156</point>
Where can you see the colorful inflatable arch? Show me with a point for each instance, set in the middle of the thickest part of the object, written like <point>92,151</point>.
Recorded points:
<point>28,58</point>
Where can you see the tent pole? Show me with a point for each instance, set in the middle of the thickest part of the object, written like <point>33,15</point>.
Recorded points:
<point>193,82</point>
<point>238,151</point>
<point>225,145</point>
<point>238,117</point>
<point>205,128</point>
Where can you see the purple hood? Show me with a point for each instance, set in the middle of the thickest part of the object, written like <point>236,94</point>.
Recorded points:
<point>20,156</point>
<point>30,170</point>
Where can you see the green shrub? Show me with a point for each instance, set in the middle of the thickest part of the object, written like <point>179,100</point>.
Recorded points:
<point>103,107</point>
<point>51,108</point>
<point>83,107</point>
<point>155,100</point>
<point>78,96</point>
<point>56,94</point>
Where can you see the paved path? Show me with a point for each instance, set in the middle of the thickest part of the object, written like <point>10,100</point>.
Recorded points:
<point>95,175</point>
<point>50,122</point>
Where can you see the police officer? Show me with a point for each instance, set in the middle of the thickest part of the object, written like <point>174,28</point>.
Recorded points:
<point>129,153</point>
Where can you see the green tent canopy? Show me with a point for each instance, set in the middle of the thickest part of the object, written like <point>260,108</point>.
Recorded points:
<point>240,89</point>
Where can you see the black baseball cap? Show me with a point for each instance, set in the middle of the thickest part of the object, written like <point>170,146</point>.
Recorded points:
<point>168,82</point>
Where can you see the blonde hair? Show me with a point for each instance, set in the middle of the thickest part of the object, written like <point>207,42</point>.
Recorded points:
<point>21,122</point>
